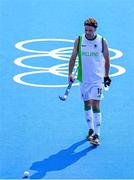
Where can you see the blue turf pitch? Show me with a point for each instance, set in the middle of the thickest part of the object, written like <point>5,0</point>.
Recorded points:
<point>38,132</point>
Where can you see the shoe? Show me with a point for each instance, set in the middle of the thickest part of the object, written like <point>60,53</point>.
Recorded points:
<point>90,134</point>
<point>95,140</point>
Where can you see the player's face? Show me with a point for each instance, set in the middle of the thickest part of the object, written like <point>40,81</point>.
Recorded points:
<point>89,31</point>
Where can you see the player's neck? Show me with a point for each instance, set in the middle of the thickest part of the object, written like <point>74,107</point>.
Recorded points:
<point>88,37</point>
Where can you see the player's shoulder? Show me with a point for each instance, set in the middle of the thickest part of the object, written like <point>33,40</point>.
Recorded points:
<point>101,36</point>
<point>77,39</point>
<point>102,39</point>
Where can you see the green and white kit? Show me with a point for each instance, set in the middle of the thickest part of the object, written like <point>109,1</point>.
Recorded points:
<point>91,67</point>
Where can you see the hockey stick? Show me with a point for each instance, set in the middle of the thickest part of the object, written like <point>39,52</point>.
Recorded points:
<point>64,97</point>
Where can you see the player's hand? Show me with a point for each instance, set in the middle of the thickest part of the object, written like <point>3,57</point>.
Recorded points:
<point>107,81</point>
<point>70,78</point>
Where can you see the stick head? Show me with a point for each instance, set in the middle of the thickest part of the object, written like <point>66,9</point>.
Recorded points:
<point>63,98</point>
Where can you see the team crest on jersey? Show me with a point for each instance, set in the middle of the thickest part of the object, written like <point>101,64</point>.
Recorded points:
<point>95,45</point>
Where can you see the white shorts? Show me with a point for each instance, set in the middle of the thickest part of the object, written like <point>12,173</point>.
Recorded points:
<point>91,91</point>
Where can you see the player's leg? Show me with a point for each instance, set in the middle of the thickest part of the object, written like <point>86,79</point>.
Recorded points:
<point>97,121</point>
<point>96,116</point>
<point>89,118</point>
<point>96,95</point>
<point>85,94</point>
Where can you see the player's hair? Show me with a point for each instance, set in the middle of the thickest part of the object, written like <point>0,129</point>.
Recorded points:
<point>91,22</point>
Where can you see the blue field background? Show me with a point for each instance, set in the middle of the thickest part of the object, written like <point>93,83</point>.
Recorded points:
<point>38,132</point>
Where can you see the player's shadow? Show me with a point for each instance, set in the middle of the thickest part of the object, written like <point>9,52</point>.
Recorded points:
<point>60,160</point>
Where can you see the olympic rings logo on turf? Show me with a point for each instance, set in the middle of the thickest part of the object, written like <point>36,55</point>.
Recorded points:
<point>59,69</point>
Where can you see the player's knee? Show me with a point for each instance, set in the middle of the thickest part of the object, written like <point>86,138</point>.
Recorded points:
<point>96,110</point>
<point>95,105</point>
<point>87,103</point>
<point>87,107</point>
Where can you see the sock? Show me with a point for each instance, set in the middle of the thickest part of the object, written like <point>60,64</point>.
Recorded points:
<point>97,121</point>
<point>89,117</point>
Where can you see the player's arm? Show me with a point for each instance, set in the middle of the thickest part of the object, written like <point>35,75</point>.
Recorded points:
<point>107,80</point>
<point>72,60</point>
<point>107,58</point>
